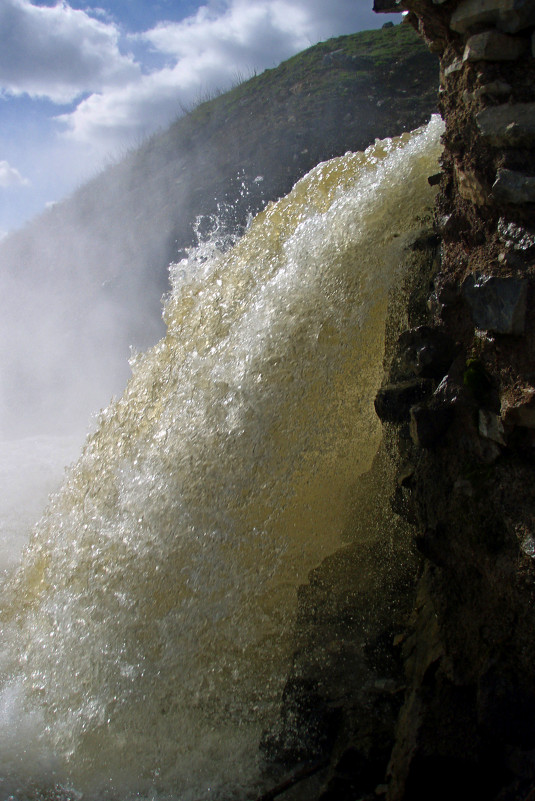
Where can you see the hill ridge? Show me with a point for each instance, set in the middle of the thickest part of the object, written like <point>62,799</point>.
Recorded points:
<point>103,253</point>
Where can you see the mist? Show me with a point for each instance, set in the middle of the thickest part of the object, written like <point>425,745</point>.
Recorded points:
<point>81,286</point>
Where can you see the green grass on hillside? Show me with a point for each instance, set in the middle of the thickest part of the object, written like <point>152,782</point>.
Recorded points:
<point>354,60</point>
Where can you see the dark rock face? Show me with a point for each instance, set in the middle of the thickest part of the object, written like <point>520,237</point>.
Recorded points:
<point>394,401</point>
<point>511,16</point>
<point>497,304</point>
<point>467,727</point>
<point>427,352</point>
<point>512,186</point>
<point>345,691</point>
<point>508,124</point>
<point>458,408</point>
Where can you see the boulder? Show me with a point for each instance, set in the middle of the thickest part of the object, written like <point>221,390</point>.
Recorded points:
<point>497,304</point>
<point>455,66</point>
<point>496,89</point>
<point>491,426</point>
<point>514,236</point>
<point>521,412</point>
<point>508,15</point>
<point>493,46</point>
<point>508,125</point>
<point>430,420</point>
<point>427,352</point>
<point>393,401</point>
<point>514,187</point>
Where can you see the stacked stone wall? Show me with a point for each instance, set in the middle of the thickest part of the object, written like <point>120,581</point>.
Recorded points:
<point>432,694</point>
<point>466,444</point>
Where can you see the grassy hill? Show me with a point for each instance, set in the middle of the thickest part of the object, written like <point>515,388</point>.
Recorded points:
<point>83,281</point>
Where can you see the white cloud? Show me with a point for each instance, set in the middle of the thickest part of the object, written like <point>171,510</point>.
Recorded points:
<point>9,176</point>
<point>206,52</point>
<point>59,52</point>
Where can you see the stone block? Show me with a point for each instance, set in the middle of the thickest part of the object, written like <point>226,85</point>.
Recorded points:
<point>514,236</point>
<point>509,125</point>
<point>508,15</point>
<point>471,188</point>
<point>428,422</point>
<point>491,426</point>
<point>514,187</point>
<point>427,352</point>
<point>496,89</point>
<point>522,411</point>
<point>394,401</point>
<point>493,46</point>
<point>455,66</point>
<point>497,304</point>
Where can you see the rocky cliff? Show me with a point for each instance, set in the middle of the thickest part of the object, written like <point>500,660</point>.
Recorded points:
<point>443,703</point>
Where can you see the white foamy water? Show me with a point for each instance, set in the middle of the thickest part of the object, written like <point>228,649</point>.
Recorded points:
<point>30,470</point>
<point>147,631</point>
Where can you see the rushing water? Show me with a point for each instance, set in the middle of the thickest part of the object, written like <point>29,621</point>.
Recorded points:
<point>147,629</point>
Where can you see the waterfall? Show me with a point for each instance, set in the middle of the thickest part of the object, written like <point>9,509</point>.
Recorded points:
<point>147,629</point>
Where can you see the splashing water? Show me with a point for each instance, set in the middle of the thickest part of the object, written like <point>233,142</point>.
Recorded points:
<point>148,628</point>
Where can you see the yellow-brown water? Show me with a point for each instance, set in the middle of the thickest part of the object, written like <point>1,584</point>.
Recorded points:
<point>147,630</point>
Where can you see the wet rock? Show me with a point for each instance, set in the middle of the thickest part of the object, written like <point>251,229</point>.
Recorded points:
<point>512,260</point>
<point>429,421</point>
<point>508,15</point>
<point>405,475</point>
<point>448,223</point>
<point>508,124</point>
<point>445,298</point>
<point>496,89</point>
<point>455,66</point>
<point>514,187</point>
<point>497,304</point>
<point>528,547</point>
<point>522,411</point>
<point>493,46</point>
<point>491,426</point>
<point>394,401</point>
<point>478,382</point>
<point>426,351</point>
<point>430,544</point>
<point>514,236</point>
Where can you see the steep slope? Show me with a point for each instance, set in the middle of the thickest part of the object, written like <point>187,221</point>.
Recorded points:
<point>83,281</point>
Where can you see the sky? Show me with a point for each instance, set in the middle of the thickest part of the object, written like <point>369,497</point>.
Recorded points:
<point>82,82</point>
